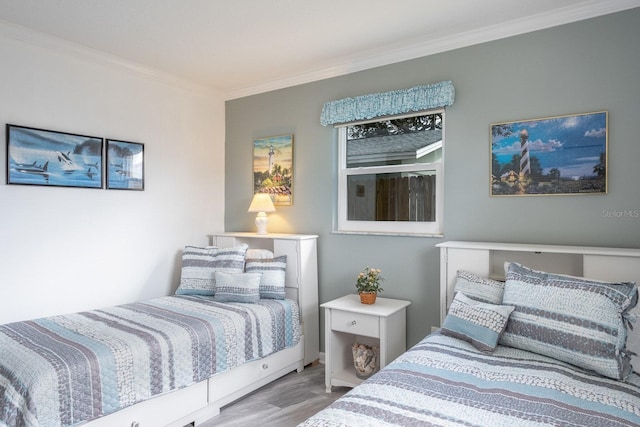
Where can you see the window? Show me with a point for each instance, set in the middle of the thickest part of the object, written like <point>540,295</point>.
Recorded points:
<point>390,175</point>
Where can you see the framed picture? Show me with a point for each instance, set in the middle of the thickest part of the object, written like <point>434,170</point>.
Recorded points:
<point>50,158</point>
<point>125,165</point>
<point>273,168</point>
<point>550,156</point>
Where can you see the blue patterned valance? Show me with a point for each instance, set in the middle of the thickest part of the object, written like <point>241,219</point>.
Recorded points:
<point>366,107</point>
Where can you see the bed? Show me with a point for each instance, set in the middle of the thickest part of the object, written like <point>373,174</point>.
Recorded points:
<point>560,358</point>
<point>234,324</point>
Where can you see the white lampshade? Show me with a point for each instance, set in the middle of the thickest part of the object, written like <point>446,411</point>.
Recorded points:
<point>261,203</point>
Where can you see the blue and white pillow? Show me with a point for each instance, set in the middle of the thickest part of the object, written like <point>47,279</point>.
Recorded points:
<point>237,287</point>
<point>479,288</point>
<point>476,322</point>
<point>572,319</point>
<point>273,271</point>
<point>231,260</point>
<point>199,266</point>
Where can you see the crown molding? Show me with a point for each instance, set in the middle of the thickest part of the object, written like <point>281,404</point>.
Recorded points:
<point>395,54</point>
<point>390,54</point>
<point>78,51</point>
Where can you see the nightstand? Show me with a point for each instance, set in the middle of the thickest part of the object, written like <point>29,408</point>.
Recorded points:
<point>347,320</point>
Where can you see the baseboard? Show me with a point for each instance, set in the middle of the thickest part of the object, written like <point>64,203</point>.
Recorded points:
<point>321,357</point>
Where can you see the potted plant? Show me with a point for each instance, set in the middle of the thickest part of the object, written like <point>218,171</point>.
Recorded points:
<point>368,285</point>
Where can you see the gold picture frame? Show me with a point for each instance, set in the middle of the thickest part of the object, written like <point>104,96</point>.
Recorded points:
<point>273,168</point>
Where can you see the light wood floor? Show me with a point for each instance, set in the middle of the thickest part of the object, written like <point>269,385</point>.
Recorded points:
<point>283,403</point>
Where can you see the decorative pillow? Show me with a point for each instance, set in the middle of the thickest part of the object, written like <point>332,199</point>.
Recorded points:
<point>197,274</point>
<point>237,287</point>
<point>479,323</point>
<point>200,264</point>
<point>258,254</point>
<point>479,288</point>
<point>573,319</point>
<point>231,260</point>
<point>633,342</point>
<point>273,275</point>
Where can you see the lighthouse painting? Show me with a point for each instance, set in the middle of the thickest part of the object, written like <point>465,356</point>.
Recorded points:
<point>550,156</point>
<point>273,168</point>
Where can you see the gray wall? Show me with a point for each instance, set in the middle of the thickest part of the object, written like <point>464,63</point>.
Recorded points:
<point>581,67</point>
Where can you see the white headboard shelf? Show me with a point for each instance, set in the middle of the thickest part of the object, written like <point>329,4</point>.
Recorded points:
<point>301,279</point>
<point>487,259</point>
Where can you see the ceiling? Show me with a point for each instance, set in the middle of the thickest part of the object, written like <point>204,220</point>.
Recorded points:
<point>242,47</point>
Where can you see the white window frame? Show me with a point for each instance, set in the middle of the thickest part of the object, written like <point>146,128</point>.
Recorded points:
<point>413,228</point>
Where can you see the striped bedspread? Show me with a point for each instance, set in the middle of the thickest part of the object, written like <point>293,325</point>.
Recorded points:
<point>443,381</point>
<point>64,370</point>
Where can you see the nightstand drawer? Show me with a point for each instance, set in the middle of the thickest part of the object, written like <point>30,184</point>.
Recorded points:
<point>355,323</point>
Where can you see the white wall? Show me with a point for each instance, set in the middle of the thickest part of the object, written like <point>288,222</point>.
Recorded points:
<point>69,249</point>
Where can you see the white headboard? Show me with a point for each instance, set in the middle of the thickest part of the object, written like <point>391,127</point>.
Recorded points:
<point>301,280</point>
<point>487,260</point>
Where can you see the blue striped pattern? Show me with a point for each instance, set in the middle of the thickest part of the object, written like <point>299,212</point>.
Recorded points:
<point>199,266</point>
<point>479,288</point>
<point>64,370</point>
<point>443,381</point>
<point>477,322</point>
<point>273,270</point>
<point>237,287</point>
<point>572,319</point>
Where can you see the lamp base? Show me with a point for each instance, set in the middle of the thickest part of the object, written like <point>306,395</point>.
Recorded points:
<point>261,223</point>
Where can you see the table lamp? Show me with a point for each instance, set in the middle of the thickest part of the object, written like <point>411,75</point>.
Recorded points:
<point>262,204</point>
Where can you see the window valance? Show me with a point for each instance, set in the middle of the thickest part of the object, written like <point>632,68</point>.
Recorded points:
<point>366,107</point>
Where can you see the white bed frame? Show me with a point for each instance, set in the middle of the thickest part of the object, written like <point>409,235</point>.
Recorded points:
<point>487,260</point>
<point>203,400</point>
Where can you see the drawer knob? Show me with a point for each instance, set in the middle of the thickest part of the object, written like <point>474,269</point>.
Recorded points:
<point>135,424</point>
<point>353,323</point>
<point>265,366</point>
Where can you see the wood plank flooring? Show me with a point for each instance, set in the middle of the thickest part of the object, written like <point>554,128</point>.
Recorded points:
<point>283,403</point>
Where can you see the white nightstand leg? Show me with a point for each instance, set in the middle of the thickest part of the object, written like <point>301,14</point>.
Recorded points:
<point>328,366</point>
